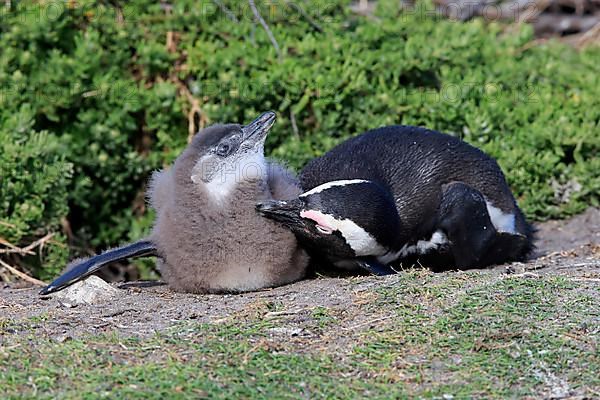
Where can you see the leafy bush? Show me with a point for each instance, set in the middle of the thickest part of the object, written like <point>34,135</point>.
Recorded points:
<point>95,96</point>
<point>33,187</point>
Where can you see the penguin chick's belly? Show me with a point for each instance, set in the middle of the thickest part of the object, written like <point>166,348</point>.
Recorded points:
<point>267,257</point>
<point>233,254</point>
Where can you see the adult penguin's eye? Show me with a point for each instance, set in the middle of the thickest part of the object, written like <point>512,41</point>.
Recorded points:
<point>324,229</point>
<point>223,149</point>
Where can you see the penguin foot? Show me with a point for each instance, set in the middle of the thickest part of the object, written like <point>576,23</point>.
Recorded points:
<point>374,267</point>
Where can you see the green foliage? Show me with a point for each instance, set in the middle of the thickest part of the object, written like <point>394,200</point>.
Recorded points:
<point>33,186</point>
<point>95,86</point>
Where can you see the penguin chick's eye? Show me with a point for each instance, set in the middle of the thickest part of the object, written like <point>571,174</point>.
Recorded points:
<point>324,229</point>
<point>223,149</point>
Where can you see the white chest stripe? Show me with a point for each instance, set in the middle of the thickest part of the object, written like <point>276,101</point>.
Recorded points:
<point>501,221</point>
<point>224,182</point>
<point>331,184</point>
<point>357,238</point>
<point>421,247</point>
<point>220,190</point>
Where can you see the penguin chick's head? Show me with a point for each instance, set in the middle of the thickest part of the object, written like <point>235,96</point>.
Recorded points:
<point>228,154</point>
<point>341,219</point>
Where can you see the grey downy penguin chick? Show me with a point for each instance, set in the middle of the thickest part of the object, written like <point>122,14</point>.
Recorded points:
<point>402,193</point>
<point>207,234</point>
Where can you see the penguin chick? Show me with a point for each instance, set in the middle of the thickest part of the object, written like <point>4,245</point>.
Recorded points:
<point>207,234</point>
<point>401,192</point>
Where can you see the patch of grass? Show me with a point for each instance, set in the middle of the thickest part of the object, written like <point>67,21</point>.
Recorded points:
<point>503,339</point>
<point>461,335</point>
<point>322,316</point>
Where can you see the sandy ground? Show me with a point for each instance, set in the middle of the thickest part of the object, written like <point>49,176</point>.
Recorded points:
<point>570,248</point>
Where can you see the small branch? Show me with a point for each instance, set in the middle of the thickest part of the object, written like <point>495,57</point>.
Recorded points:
<point>12,249</point>
<point>584,279</point>
<point>294,126</point>
<point>39,242</point>
<point>8,225</point>
<point>351,328</point>
<point>589,37</point>
<point>22,275</point>
<point>253,33</point>
<point>226,10</point>
<point>308,18</point>
<point>170,42</point>
<point>266,28</point>
<point>196,118</point>
<point>195,112</point>
<point>274,314</point>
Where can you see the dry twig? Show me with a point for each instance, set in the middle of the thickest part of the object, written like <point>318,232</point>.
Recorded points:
<point>226,10</point>
<point>260,19</point>
<point>22,275</point>
<point>372,321</point>
<point>590,37</point>
<point>308,18</point>
<point>294,125</point>
<point>12,249</point>
<point>195,112</point>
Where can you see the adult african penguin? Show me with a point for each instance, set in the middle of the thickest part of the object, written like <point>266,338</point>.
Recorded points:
<point>207,234</point>
<point>398,193</point>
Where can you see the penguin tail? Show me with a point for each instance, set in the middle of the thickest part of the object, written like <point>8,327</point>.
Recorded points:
<point>530,248</point>
<point>82,268</point>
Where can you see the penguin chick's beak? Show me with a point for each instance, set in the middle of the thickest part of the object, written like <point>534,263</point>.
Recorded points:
<point>286,212</point>
<point>257,129</point>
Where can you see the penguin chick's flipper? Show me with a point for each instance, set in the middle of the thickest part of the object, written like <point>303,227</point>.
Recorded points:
<point>463,216</point>
<point>282,182</point>
<point>371,265</point>
<point>86,267</point>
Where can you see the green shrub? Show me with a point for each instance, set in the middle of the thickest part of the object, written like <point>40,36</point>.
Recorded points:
<point>94,86</point>
<point>33,189</point>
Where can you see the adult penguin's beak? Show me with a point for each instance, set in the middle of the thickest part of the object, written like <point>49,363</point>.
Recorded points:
<point>286,212</point>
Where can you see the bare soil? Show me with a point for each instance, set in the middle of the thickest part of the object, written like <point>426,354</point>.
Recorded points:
<point>569,248</point>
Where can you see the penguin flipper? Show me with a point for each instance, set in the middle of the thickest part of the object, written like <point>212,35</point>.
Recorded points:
<point>463,216</point>
<point>373,266</point>
<point>86,267</point>
<point>506,247</point>
<point>475,241</point>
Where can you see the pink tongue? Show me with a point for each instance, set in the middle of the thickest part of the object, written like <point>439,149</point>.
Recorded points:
<point>317,217</point>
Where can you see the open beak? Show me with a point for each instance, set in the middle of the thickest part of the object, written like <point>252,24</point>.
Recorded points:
<point>286,212</point>
<point>258,129</point>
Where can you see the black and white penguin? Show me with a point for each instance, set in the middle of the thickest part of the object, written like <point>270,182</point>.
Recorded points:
<point>403,193</point>
<point>207,234</point>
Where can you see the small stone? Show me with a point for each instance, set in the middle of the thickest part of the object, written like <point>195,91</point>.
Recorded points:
<point>62,338</point>
<point>89,291</point>
<point>66,304</point>
<point>286,331</point>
